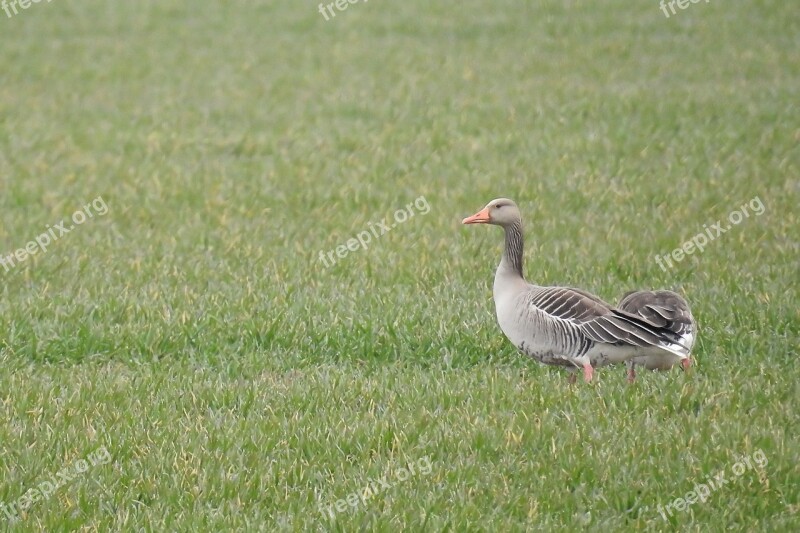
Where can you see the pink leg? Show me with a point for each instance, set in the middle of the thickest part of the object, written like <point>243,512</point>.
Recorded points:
<point>686,363</point>
<point>587,372</point>
<point>631,374</point>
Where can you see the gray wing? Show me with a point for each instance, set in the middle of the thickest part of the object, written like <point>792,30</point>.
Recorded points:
<point>600,322</point>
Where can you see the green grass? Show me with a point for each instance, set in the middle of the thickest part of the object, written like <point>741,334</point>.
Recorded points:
<point>239,384</point>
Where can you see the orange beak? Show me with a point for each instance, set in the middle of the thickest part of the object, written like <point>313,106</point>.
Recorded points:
<point>481,217</point>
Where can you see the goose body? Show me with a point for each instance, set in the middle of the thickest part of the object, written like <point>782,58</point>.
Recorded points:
<point>563,326</point>
<point>666,309</point>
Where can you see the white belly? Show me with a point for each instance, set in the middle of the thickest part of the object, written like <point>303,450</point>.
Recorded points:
<point>517,328</point>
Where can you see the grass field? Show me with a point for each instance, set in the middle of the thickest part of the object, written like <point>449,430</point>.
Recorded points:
<point>236,382</point>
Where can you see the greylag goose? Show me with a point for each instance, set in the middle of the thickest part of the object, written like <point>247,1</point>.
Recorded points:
<point>563,326</point>
<point>668,310</point>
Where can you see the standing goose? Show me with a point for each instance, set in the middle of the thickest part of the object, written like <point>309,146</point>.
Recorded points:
<point>664,309</point>
<point>562,326</point>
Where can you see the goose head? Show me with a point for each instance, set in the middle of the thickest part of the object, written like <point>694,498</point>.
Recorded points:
<point>500,212</point>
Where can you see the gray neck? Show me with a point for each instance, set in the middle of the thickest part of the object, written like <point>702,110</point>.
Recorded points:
<point>511,263</point>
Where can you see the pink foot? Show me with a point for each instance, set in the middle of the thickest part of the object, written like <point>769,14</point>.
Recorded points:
<point>587,372</point>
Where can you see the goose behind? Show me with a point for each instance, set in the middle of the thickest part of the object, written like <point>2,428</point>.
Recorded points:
<point>667,309</point>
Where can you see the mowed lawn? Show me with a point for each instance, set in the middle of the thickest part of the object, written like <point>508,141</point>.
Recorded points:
<point>240,364</point>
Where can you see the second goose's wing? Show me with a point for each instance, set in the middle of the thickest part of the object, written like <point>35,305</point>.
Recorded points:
<point>664,309</point>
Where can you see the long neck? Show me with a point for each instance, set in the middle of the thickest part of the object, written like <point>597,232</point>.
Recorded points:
<point>511,263</point>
